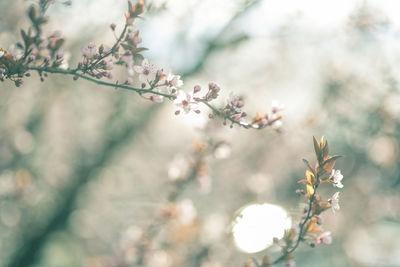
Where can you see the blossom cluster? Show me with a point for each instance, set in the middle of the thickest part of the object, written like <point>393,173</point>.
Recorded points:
<point>45,56</point>
<point>309,230</point>
<point>231,112</point>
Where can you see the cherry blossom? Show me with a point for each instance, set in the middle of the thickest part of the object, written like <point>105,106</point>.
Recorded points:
<point>185,102</point>
<point>174,81</point>
<point>277,106</point>
<point>147,72</point>
<point>90,51</point>
<point>325,238</point>
<point>336,178</point>
<point>334,201</point>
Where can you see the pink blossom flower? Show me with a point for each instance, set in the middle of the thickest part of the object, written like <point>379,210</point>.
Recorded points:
<point>325,238</point>
<point>336,178</point>
<point>90,51</point>
<point>147,72</point>
<point>334,201</point>
<point>108,65</point>
<point>137,40</point>
<point>213,90</point>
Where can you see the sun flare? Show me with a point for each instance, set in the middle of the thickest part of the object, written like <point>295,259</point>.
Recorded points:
<point>256,226</point>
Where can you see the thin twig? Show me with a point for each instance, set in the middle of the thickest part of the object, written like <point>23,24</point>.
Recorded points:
<point>301,231</point>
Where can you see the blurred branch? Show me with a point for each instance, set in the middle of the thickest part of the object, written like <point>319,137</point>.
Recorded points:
<point>301,228</point>
<point>153,229</point>
<point>215,44</point>
<point>26,255</point>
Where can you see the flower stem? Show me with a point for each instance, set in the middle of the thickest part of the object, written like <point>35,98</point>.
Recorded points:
<point>301,231</point>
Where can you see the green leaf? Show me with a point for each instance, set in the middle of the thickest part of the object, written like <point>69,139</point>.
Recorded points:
<point>128,47</point>
<point>26,38</point>
<point>58,44</point>
<point>41,20</point>
<point>19,45</point>
<point>140,49</point>
<point>32,13</point>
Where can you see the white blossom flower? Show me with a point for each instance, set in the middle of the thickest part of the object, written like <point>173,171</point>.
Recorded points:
<point>276,125</point>
<point>174,81</point>
<point>90,51</point>
<point>15,53</point>
<point>1,52</point>
<point>325,238</point>
<point>186,212</point>
<point>291,263</point>
<point>156,98</point>
<point>277,122</point>
<point>334,201</point>
<point>276,106</point>
<point>185,102</point>
<point>128,59</point>
<point>147,72</point>
<point>336,177</point>
<point>178,168</point>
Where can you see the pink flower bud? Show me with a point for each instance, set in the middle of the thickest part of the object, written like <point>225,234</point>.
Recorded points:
<point>196,89</point>
<point>18,82</point>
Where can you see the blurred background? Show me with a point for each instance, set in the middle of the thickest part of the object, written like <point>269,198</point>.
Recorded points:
<point>96,177</point>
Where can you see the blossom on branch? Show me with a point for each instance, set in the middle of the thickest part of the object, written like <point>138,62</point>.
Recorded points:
<point>147,72</point>
<point>90,52</point>
<point>334,201</point>
<point>174,81</point>
<point>336,178</point>
<point>325,238</point>
<point>185,102</point>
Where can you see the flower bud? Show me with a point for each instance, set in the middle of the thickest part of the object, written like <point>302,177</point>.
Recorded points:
<point>196,89</point>
<point>59,54</point>
<point>18,82</point>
